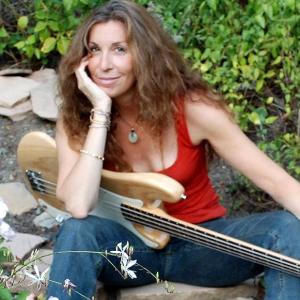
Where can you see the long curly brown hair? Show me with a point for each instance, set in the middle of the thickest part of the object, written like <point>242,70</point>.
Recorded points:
<point>163,77</point>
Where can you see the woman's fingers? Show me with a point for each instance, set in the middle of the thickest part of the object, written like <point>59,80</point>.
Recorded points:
<point>94,93</point>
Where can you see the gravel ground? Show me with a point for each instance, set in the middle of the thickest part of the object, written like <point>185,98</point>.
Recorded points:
<point>10,135</point>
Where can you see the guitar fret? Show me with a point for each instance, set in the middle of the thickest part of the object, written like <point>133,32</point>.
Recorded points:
<point>259,256</point>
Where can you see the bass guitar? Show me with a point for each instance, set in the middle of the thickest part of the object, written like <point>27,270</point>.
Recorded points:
<point>135,200</point>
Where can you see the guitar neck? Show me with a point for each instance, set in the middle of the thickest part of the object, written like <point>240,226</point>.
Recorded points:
<point>212,239</point>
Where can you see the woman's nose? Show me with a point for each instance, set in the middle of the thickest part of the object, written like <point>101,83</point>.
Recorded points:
<point>105,61</point>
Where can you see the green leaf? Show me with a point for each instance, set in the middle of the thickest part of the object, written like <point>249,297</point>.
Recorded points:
<point>261,21</point>
<point>271,120</point>
<point>277,61</point>
<point>63,45</point>
<point>270,74</point>
<point>19,45</point>
<point>212,4</point>
<point>54,26</point>
<point>259,84</point>
<point>22,295</point>
<point>40,26</point>
<point>37,53</point>
<point>48,45</point>
<point>3,32</point>
<point>254,118</point>
<point>68,4</point>
<point>5,294</point>
<point>22,22</point>
<point>31,39</point>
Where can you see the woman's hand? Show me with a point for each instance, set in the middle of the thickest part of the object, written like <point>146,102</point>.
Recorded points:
<point>98,97</point>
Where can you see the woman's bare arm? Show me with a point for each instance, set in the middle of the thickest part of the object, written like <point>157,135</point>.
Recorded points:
<point>213,124</point>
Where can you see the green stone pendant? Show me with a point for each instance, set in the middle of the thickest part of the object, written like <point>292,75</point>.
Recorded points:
<point>132,136</point>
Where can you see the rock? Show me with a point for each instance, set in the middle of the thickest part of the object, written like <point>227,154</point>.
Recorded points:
<point>46,256</point>
<point>23,243</point>
<point>45,100</point>
<point>43,75</point>
<point>51,216</point>
<point>246,290</point>
<point>17,112</point>
<point>15,71</point>
<point>17,198</point>
<point>15,89</point>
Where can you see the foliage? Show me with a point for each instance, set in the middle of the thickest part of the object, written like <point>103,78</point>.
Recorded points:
<point>46,32</point>
<point>249,53</point>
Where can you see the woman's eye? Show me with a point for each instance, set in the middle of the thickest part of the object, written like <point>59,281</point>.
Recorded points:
<point>94,49</point>
<point>120,50</point>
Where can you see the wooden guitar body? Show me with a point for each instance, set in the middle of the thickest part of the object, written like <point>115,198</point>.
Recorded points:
<point>37,158</point>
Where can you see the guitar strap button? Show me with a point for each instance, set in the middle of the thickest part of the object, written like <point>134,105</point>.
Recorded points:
<point>183,197</point>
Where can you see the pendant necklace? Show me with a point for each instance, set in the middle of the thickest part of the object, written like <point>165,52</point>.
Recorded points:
<point>132,136</point>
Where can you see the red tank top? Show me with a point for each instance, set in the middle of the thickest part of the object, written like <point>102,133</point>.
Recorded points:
<point>190,169</point>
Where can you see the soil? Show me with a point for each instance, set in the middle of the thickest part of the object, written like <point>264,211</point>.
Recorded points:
<point>10,134</point>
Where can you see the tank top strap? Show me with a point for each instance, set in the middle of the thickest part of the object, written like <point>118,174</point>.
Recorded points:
<point>183,138</point>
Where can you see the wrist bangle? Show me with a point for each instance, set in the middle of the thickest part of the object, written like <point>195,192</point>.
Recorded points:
<point>101,118</point>
<point>91,154</point>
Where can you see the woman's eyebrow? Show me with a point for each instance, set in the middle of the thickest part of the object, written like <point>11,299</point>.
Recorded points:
<point>113,44</point>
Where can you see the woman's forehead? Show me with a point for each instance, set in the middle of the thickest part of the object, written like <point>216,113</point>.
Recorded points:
<point>108,32</point>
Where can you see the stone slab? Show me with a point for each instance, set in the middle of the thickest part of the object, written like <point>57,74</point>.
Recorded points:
<point>17,112</point>
<point>43,75</point>
<point>23,243</point>
<point>246,290</point>
<point>15,89</point>
<point>15,71</point>
<point>46,256</point>
<point>44,100</point>
<point>51,216</point>
<point>17,197</point>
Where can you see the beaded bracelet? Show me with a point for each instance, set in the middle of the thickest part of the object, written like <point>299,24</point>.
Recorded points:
<point>91,154</point>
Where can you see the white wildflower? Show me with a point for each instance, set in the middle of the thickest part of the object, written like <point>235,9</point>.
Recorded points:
<point>53,298</point>
<point>5,231</point>
<point>125,253</point>
<point>125,265</point>
<point>39,279</point>
<point>3,209</point>
<point>121,251</point>
<point>69,286</point>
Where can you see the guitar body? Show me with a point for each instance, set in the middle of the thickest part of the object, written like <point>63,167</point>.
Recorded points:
<point>135,200</point>
<point>37,158</point>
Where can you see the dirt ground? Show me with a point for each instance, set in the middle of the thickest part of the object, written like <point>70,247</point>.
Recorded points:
<point>10,135</point>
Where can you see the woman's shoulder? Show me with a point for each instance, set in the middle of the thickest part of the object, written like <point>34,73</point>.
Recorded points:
<point>204,115</point>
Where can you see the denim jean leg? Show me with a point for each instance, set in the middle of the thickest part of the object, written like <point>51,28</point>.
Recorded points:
<point>285,233</point>
<point>74,235</point>
<point>83,269</point>
<point>277,231</point>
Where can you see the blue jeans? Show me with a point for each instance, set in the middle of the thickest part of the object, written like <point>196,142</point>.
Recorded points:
<point>179,261</point>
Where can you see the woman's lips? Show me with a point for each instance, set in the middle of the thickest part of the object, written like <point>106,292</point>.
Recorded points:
<point>107,81</point>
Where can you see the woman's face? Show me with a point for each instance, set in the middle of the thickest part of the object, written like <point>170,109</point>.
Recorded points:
<point>111,64</point>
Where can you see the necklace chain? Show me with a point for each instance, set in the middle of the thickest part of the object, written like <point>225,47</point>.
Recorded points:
<point>132,136</point>
<point>133,139</point>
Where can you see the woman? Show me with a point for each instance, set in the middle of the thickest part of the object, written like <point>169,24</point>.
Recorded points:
<point>124,72</point>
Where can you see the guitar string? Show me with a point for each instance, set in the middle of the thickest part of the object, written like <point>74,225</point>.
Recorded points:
<point>236,251</point>
<point>182,236</point>
<point>241,248</point>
